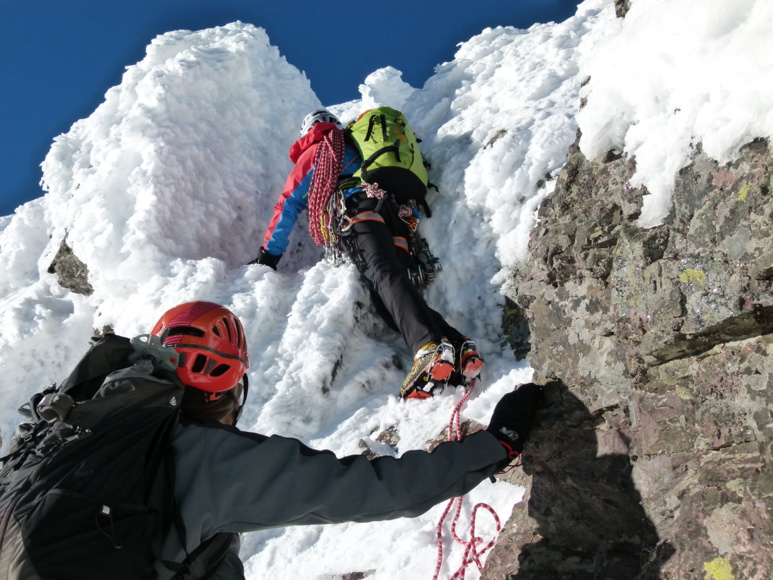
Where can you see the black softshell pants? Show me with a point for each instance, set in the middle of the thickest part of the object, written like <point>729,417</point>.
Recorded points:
<point>377,244</point>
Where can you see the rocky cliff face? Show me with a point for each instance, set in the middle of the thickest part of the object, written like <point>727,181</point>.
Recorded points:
<point>651,456</point>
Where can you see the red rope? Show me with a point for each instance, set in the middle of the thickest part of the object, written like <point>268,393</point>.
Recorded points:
<point>472,551</point>
<point>327,168</point>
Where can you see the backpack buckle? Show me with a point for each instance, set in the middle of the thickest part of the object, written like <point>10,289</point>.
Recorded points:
<point>150,347</point>
<point>55,407</point>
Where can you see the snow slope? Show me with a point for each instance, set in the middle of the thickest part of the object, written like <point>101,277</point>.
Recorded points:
<point>165,190</point>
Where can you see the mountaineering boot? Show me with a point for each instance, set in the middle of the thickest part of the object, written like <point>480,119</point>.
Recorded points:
<point>433,365</point>
<point>470,362</point>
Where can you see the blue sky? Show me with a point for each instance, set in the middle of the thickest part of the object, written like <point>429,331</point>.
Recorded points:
<point>61,56</point>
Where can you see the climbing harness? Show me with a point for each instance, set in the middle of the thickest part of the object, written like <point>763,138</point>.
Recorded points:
<point>329,220</point>
<point>473,550</point>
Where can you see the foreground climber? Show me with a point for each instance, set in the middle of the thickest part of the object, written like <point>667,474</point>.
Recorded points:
<point>224,480</point>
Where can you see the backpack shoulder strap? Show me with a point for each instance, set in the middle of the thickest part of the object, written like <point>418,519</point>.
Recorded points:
<point>202,563</point>
<point>110,353</point>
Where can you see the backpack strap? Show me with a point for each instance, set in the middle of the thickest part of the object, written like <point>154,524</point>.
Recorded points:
<point>110,353</point>
<point>382,119</point>
<point>424,204</point>
<point>204,560</point>
<point>394,148</point>
<point>425,207</point>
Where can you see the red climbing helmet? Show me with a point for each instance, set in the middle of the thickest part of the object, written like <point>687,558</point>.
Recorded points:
<point>210,342</point>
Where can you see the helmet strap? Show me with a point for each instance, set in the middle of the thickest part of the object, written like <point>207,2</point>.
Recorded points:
<point>246,384</point>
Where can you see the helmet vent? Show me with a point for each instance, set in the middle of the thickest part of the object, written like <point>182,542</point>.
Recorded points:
<point>185,330</point>
<point>228,330</point>
<point>199,363</point>
<point>239,336</point>
<point>220,370</point>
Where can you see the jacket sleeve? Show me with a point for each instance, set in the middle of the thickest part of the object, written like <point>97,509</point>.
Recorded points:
<point>292,201</point>
<point>257,483</point>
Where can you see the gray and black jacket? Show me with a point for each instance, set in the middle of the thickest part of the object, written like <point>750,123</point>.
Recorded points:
<point>228,480</point>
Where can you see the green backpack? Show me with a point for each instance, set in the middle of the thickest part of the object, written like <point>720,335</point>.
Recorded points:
<point>390,153</point>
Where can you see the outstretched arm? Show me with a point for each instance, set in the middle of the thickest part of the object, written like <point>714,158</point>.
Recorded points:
<point>259,483</point>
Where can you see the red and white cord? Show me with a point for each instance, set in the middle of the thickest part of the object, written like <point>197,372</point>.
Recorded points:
<point>327,168</point>
<point>473,550</point>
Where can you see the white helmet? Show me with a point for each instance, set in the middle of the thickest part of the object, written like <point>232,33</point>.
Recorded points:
<point>319,116</point>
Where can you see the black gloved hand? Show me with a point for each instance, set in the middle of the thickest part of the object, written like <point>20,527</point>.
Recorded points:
<point>512,417</point>
<point>266,259</point>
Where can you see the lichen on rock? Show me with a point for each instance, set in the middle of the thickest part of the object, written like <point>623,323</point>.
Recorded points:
<point>651,457</point>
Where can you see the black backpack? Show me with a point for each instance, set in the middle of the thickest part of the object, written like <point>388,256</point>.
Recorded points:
<point>86,491</point>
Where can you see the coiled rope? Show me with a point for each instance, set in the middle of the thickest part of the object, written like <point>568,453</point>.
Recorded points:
<point>328,162</point>
<point>473,550</point>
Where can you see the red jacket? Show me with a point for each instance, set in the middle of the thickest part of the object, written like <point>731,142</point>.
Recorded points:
<point>295,195</point>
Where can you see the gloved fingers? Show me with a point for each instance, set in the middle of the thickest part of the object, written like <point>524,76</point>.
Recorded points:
<point>513,415</point>
<point>266,259</point>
